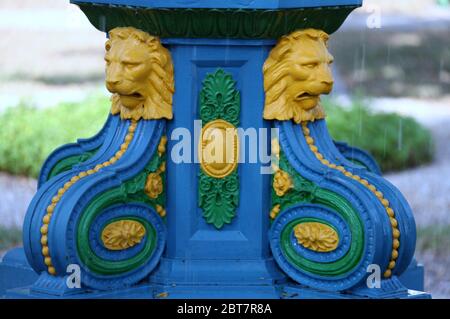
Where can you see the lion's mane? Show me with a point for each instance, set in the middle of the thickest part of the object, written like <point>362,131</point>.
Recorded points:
<point>277,69</point>
<point>161,80</point>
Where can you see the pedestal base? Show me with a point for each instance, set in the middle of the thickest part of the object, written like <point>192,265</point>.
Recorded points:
<point>15,271</point>
<point>181,272</point>
<point>147,291</point>
<point>17,277</point>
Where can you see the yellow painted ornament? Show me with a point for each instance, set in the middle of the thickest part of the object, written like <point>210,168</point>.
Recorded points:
<point>316,236</point>
<point>122,234</point>
<point>154,185</point>
<point>282,183</point>
<point>139,73</point>
<point>219,148</point>
<point>296,73</point>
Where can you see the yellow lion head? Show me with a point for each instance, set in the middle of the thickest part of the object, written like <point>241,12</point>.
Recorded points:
<point>139,73</point>
<point>296,73</point>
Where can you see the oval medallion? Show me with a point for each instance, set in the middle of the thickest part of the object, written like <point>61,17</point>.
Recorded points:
<point>122,234</point>
<point>316,236</point>
<point>219,148</point>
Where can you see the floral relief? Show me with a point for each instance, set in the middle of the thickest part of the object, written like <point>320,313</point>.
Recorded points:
<point>122,234</point>
<point>153,185</point>
<point>282,183</point>
<point>316,236</point>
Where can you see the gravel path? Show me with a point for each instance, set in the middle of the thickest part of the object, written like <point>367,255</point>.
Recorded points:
<point>15,195</point>
<point>427,188</point>
<point>437,280</point>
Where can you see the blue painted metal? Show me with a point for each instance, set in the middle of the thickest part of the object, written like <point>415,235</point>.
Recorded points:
<point>198,256</point>
<point>414,276</point>
<point>48,285</point>
<point>377,226</point>
<point>397,201</point>
<point>192,259</point>
<point>229,4</point>
<point>110,214</point>
<point>238,253</point>
<point>358,156</point>
<point>15,271</point>
<point>300,292</point>
<point>325,282</point>
<point>80,147</point>
<point>320,214</point>
<point>128,211</point>
<point>390,288</point>
<point>63,231</point>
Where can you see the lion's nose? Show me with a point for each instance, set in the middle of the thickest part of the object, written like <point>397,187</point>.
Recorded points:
<point>112,82</point>
<point>325,76</point>
<point>327,80</point>
<point>328,86</point>
<point>112,75</point>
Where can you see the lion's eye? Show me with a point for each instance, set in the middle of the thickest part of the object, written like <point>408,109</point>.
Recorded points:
<point>130,64</point>
<point>310,65</point>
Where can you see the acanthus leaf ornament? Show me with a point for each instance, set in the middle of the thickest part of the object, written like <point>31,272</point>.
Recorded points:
<point>219,149</point>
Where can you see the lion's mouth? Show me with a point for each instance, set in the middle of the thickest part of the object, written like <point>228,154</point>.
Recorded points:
<point>135,95</point>
<point>305,96</point>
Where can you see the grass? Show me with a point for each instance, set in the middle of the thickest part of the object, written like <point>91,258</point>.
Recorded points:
<point>434,238</point>
<point>9,237</point>
<point>29,135</point>
<point>397,142</point>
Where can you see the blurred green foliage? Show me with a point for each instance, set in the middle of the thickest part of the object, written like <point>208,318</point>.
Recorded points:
<point>397,142</point>
<point>10,237</point>
<point>434,238</point>
<point>28,135</point>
